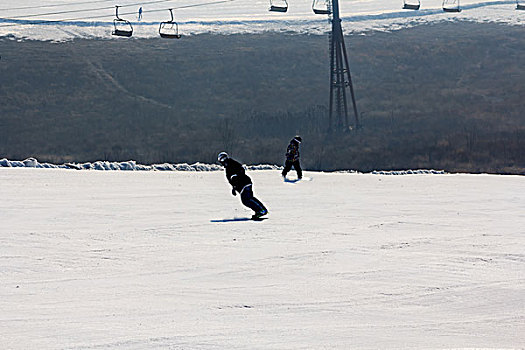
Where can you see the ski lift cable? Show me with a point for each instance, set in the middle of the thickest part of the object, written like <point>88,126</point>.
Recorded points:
<point>54,5</point>
<point>61,12</point>
<point>122,14</point>
<point>90,9</point>
<point>86,10</point>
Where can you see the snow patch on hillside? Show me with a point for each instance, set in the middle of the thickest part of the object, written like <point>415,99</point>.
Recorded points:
<point>246,17</point>
<point>132,165</point>
<point>129,165</point>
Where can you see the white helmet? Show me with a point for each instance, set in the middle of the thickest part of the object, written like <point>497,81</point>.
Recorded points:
<point>222,157</point>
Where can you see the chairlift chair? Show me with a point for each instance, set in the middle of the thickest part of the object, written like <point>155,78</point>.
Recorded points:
<point>169,29</point>
<point>411,5</point>
<point>451,6</point>
<point>520,6</point>
<point>278,5</point>
<point>121,27</point>
<point>321,7</point>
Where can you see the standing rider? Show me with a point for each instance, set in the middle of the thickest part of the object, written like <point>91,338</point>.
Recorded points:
<point>241,183</point>
<point>292,158</point>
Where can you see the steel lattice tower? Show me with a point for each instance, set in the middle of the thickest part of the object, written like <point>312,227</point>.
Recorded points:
<point>340,78</point>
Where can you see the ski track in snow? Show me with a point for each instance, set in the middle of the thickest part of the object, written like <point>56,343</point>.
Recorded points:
<point>106,78</point>
<point>130,260</point>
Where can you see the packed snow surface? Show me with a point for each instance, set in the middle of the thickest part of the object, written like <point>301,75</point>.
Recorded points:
<point>60,20</point>
<point>152,260</point>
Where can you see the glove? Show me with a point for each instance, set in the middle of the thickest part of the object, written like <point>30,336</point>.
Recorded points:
<point>233,192</point>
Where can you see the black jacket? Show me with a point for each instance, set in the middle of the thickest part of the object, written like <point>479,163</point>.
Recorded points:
<point>236,175</point>
<point>292,152</point>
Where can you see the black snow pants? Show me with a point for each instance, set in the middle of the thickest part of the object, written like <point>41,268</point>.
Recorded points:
<point>250,201</point>
<point>288,166</point>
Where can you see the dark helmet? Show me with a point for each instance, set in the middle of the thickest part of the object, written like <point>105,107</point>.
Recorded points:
<point>297,139</point>
<point>222,157</point>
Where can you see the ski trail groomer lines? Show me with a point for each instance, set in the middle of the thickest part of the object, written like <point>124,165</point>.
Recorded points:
<point>241,183</point>
<point>292,158</point>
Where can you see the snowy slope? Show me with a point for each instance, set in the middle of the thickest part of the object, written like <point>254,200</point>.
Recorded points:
<point>231,16</point>
<point>134,260</point>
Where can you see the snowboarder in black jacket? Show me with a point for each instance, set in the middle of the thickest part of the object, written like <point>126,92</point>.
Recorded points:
<point>292,158</point>
<point>241,183</point>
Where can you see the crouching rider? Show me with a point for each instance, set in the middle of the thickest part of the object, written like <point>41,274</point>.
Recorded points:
<point>241,183</point>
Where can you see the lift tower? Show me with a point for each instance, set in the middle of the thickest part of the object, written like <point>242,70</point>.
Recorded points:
<point>340,78</point>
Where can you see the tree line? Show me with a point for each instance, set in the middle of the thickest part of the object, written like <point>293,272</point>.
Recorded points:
<point>443,96</point>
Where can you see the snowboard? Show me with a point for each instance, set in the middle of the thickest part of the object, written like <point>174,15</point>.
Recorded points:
<point>239,219</point>
<point>294,180</point>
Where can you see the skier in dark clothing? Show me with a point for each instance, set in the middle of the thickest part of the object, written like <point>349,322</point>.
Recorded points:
<point>292,158</point>
<point>241,183</point>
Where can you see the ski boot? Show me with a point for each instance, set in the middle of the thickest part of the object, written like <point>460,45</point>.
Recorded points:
<point>258,215</point>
